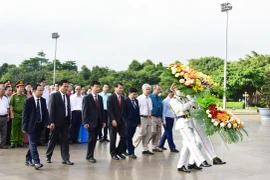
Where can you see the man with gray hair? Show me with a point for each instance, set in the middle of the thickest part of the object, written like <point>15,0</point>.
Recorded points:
<point>156,119</point>
<point>145,105</point>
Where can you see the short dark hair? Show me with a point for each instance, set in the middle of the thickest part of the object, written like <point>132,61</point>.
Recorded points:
<point>106,84</point>
<point>77,85</point>
<point>63,81</point>
<point>93,83</point>
<point>35,86</point>
<point>117,84</point>
<point>41,80</point>
<point>6,81</point>
<point>6,87</point>
<point>56,83</point>
<point>132,90</point>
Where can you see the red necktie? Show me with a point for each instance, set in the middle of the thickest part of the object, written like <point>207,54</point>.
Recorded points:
<point>96,101</point>
<point>119,101</point>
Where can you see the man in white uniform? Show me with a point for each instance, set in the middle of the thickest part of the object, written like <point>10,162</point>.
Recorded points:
<point>180,107</point>
<point>203,142</point>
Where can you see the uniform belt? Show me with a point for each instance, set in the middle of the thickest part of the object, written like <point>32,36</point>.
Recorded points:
<point>3,115</point>
<point>144,116</point>
<point>156,116</point>
<point>183,116</point>
<point>170,118</point>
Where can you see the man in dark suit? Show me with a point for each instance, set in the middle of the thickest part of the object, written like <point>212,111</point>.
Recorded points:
<point>117,123</point>
<point>92,109</point>
<point>59,111</point>
<point>35,117</point>
<point>132,117</point>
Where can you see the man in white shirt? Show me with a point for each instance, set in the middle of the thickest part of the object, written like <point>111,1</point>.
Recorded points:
<point>76,114</point>
<point>4,115</point>
<point>44,136</point>
<point>8,93</point>
<point>105,94</point>
<point>145,105</point>
<point>56,88</point>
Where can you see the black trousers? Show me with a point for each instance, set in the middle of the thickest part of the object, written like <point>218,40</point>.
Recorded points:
<point>63,132</point>
<point>120,129</point>
<point>9,125</point>
<point>92,140</point>
<point>44,135</point>
<point>76,123</point>
<point>105,130</point>
<point>32,153</point>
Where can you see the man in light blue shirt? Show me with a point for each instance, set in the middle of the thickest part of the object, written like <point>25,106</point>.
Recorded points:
<point>105,94</point>
<point>168,121</point>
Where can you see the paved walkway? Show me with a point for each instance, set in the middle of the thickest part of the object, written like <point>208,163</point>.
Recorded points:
<point>249,160</point>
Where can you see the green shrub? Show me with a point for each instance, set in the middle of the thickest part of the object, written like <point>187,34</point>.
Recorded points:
<point>235,105</point>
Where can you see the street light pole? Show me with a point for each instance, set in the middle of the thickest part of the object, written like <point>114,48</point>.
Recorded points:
<point>225,7</point>
<point>55,36</point>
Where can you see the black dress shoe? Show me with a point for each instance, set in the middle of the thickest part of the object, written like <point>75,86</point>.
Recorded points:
<point>217,161</point>
<point>92,160</point>
<point>78,142</point>
<point>205,164</point>
<point>147,152</point>
<point>175,151</point>
<point>194,166</point>
<point>48,160</point>
<point>133,156</point>
<point>67,162</point>
<point>121,156</point>
<point>20,145</point>
<point>183,169</point>
<point>125,153</point>
<point>163,148</point>
<point>157,150</point>
<point>38,166</point>
<point>12,146</point>
<point>115,157</point>
<point>29,163</point>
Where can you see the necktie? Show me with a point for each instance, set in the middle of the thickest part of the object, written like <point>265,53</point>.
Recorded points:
<point>64,99</point>
<point>119,101</point>
<point>133,103</point>
<point>96,101</point>
<point>38,112</point>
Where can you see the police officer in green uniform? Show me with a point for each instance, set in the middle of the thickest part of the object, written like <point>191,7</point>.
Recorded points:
<point>16,107</point>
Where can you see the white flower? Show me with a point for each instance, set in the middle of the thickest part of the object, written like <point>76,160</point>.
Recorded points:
<point>209,115</point>
<point>181,80</point>
<point>238,121</point>
<point>173,71</point>
<point>186,83</point>
<point>216,123</point>
<point>222,124</point>
<point>177,75</point>
<point>207,111</point>
<point>235,125</point>
<point>181,73</point>
<point>229,125</point>
<point>213,120</point>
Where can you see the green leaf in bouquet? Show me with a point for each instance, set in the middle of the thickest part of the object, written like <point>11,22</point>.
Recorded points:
<point>207,101</point>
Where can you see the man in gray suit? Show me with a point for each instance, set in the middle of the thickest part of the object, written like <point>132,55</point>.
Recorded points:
<point>59,112</point>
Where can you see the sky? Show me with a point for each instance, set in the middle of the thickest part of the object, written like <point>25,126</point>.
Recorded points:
<point>112,33</point>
